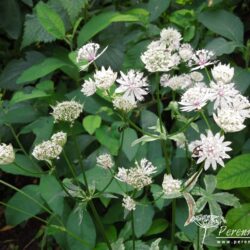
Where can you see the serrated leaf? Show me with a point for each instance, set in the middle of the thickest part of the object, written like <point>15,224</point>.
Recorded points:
<point>157,7</point>
<point>34,32</point>
<point>50,20</point>
<point>235,174</point>
<point>37,71</point>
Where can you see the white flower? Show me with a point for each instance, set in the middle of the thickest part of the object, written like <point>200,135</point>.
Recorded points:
<point>104,79</point>
<point>171,37</point>
<point>202,58</point>
<point>194,98</point>
<point>124,104</point>
<point>47,151</point>
<point>222,94</point>
<point>196,76</point>
<point>211,149</point>
<point>229,120</point>
<point>133,85</point>
<point>59,138</point>
<point>158,58</point>
<point>67,111</point>
<point>128,203</point>
<point>170,185</point>
<point>88,88</point>
<point>176,82</point>
<point>105,161</point>
<point>88,52</point>
<point>241,105</point>
<point>7,154</point>
<point>223,73</point>
<point>138,176</point>
<point>186,52</point>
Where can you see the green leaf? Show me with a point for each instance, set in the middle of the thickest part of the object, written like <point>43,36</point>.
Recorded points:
<point>11,19</point>
<point>34,32</point>
<point>239,218</point>
<point>235,174</point>
<point>91,123</point>
<point>21,202</point>
<point>223,23</point>
<point>100,22</point>
<point>129,137</point>
<point>143,216</point>
<point>50,20</point>
<point>156,8</point>
<point>221,46</point>
<point>21,96</point>
<point>106,137</point>
<point>41,127</point>
<point>158,226</point>
<point>25,163</point>
<point>241,79</point>
<point>37,71</point>
<point>54,197</point>
<point>84,230</point>
<point>19,113</point>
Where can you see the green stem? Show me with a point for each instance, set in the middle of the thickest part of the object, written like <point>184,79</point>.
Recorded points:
<point>71,168</point>
<point>173,224</point>
<point>81,164</point>
<point>163,143</point>
<point>205,119</point>
<point>208,75</point>
<point>133,229</point>
<point>99,224</point>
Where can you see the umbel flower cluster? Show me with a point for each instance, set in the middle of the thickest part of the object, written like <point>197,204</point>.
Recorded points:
<point>7,154</point>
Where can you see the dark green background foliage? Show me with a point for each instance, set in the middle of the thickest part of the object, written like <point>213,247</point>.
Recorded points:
<point>38,42</point>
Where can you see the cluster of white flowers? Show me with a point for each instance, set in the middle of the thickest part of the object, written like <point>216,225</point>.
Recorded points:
<point>210,148</point>
<point>128,203</point>
<point>124,104</point>
<point>50,149</point>
<point>138,176</point>
<point>7,154</point>
<point>176,82</point>
<point>162,55</point>
<point>170,185</point>
<point>103,79</point>
<point>67,111</point>
<point>105,161</point>
<point>88,53</point>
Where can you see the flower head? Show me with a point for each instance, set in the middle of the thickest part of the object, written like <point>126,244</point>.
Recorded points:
<point>59,138</point>
<point>133,84</point>
<point>196,76</point>
<point>104,79</point>
<point>47,151</point>
<point>88,52</point>
<point>123,104</point>
<point>222,73</point>
<point>202,58</point>
<point>158,58</point>
<point>170,185</point>
<point>67,111</point>
<point>186,52</point>
<point>128,203</point>
<point>211,149</point>
<point>138,176</point>
<point>194,98</point>
<point>222,94</point>
<point>7,154</point>
<point>171,38</point>
<point>89,87</point>
<point>176,82</point>
<point>105,161</point>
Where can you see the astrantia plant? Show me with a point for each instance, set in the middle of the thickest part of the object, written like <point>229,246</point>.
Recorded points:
<point>119,152</point>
